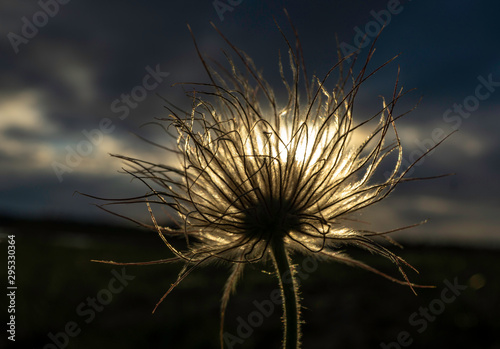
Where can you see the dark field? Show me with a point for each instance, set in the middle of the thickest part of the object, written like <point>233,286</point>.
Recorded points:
<point>60,290</point>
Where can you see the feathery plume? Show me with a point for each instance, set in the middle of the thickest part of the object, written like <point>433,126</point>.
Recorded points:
<point>260,179</point>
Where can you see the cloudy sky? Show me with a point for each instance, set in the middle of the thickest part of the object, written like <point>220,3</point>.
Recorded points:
<point>67,68</point>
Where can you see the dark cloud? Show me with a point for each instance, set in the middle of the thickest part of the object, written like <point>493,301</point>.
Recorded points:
<point>91,53</point>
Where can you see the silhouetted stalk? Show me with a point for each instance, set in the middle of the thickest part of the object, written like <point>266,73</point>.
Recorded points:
<point>289,295</point>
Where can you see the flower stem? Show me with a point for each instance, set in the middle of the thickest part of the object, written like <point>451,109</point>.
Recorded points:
<point>289,295</point>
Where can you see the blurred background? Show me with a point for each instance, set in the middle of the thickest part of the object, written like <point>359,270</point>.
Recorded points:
<point>81,80</point>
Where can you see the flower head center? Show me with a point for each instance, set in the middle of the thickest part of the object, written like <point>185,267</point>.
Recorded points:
<point>271,218</point>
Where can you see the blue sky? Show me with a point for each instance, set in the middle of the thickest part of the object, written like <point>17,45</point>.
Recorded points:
<point>64,70</point>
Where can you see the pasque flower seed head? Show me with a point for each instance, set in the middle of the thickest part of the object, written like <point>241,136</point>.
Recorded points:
<point>259,179</point>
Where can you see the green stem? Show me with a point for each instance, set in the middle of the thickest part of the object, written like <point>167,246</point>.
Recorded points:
<point>289,295</point>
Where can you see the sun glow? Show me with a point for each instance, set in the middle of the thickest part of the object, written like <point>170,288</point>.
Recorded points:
<point>300,144</point>
<point>257,182</point>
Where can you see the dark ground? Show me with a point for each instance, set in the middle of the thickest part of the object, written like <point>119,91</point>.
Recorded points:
<point>344,307</point>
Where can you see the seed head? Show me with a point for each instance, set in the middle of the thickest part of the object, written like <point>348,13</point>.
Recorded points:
<point>255,171</point>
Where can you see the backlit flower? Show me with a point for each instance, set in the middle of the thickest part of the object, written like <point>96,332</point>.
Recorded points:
<point>260,179</point>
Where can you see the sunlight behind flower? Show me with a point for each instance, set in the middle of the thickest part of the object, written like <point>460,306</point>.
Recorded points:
<point>260,179</point>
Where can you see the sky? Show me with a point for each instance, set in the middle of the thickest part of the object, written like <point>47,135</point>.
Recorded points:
<point>67,67</point>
